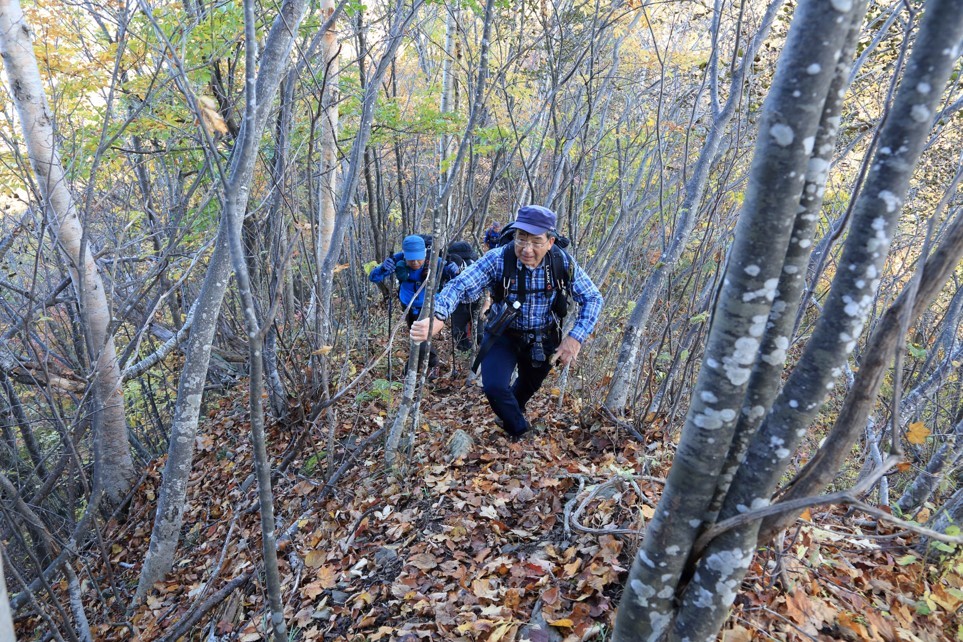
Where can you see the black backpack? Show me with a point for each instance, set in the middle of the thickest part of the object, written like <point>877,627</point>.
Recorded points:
<point>560,270</point>
<point>461,253</point>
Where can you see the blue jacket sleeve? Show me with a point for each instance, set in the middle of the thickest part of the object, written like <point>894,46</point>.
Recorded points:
<point>590,301</point>
<point>383,271</point>
<point>450,270</point>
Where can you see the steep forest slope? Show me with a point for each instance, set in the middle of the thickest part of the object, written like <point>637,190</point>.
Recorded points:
<point>510,541</point>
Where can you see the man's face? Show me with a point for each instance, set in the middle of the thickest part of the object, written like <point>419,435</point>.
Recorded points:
<point>531,249</point>
<point>415,265</point>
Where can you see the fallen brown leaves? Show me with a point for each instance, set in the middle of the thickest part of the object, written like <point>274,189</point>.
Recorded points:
<point>478,549</point>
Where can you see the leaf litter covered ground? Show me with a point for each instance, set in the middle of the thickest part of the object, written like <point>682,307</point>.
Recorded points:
<point>528,540</point>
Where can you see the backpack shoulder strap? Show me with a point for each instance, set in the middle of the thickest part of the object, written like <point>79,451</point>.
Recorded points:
<point>562,269</point>
<point>509,272</point>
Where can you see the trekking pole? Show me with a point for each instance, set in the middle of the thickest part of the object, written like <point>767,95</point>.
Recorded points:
<point>391,300</point>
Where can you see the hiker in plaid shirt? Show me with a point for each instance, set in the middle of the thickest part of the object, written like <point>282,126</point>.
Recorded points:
<point>530,264</point>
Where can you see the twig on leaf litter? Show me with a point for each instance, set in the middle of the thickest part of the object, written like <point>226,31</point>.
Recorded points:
<point>624,425</point>
<point>184,625</point>
<point>572,518</point>
<point>847,497</point>
<point>349,540</point>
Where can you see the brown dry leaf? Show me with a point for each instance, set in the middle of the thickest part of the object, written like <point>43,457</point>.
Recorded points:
<point>809,613</point>
<point>737,634</point>
<point>423,561</point>
<point>551,596</point>
<point>203,443</point>
<point>382,632</point>
<point>917,433</point>
<point>213,121</point>
<point>564,622</point>
<point>851,627</point>
<point>482,589</point>
<point>327,577</point>
<point>879,625</point>
<point>315,558</point>
<point>945,599</point>
<point>500,631</point>
<point>572,569</point>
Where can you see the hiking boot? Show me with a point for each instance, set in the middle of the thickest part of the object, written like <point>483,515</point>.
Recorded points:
<point>512,436</point>
<point>516,437</point>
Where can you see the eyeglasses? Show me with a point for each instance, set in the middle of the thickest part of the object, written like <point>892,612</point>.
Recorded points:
<point>528,242</point>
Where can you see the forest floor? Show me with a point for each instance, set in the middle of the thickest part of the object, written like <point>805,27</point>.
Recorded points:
<point>527,540</point>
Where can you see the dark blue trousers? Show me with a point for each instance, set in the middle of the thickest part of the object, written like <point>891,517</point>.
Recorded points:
<point>508,401</point>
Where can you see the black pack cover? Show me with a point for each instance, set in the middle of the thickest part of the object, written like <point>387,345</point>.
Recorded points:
<point>461,253</point>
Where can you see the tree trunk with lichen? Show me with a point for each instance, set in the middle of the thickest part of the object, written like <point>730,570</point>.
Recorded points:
<point>113,465</point>
<point>675,591</point>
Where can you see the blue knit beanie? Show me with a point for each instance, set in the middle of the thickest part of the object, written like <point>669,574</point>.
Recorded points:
<point>414,248</point>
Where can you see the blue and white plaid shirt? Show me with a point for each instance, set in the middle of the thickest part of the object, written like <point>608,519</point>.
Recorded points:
<point>536,312</point>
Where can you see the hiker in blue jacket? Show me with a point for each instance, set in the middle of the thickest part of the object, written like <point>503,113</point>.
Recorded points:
<point>408,266</point>
<point>529,276</point>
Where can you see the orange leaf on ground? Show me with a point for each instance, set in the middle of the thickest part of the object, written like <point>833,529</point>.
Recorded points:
<point>852,628</point>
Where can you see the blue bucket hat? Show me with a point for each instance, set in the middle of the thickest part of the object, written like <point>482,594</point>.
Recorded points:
<point>535,219</point>
<point>414,248</point>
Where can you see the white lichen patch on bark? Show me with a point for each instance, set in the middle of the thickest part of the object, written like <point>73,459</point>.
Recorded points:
<point>642,592</point>
<point>767,290</point>
<point>782,134</point>
<point>645,559</point>
<point>711,419</point>
<point>758,325</point>
<point>730,565</point>
<point>920,113</point>
<point>756,412</point>
<point>778,355</point>
<point>890,200</point>
<point>737,365</point>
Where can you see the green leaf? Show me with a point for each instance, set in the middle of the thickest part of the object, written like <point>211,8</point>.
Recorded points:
<point>907,559</point>
<point>916,351</point>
